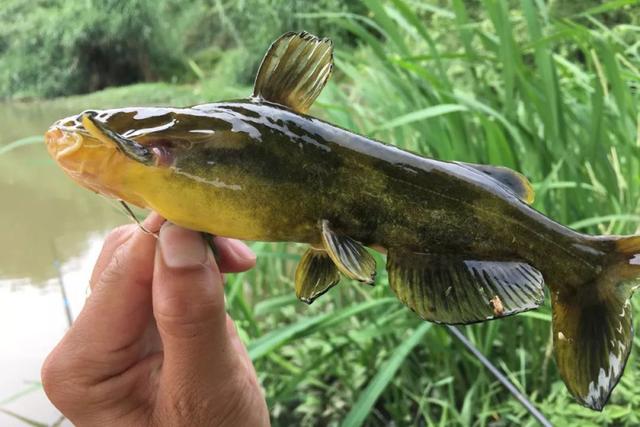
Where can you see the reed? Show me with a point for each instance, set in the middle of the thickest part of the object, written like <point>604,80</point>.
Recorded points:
<point>552,92</point>
<point>554,97</point>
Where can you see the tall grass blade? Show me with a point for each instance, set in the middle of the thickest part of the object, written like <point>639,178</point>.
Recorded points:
<point>22,418</point>
<point>383,377</point>
<point>499,376</point>
<point>269,342</point>
<point>20,143</point>
<point>415,116</point>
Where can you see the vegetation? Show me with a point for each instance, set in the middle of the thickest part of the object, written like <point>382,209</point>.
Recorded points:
<point>547,89</point>
<point>50,48</point>
<point>57,47</point>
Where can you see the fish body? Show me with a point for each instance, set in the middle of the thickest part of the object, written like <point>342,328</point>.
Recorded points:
<point>463,244</point>
<point>259,171</point>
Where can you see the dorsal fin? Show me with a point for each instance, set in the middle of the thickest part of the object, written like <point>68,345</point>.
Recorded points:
<point>514,181</point>
<point>294,70</point>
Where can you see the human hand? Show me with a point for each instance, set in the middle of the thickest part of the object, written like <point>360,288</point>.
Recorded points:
<point>153,344</point>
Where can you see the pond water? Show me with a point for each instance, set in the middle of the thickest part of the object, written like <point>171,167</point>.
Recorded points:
<point>51,231</point>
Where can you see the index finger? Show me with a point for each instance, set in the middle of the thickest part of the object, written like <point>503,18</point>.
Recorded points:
<point>118,237</point>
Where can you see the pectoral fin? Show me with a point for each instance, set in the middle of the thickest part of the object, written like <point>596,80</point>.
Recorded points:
<point>350,256</point>
<point>101,132</point>
<point>451,289</point>
<point>294,70</point>
<point>514,181</point>
<point>315,275</point>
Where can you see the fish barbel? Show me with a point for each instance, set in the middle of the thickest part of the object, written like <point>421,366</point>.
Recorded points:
<point>463,244</point>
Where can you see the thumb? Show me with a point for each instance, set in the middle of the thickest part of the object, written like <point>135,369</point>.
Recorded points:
<point>188,305</point>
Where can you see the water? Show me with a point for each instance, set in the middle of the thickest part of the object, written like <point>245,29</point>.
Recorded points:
<point>51,230</point>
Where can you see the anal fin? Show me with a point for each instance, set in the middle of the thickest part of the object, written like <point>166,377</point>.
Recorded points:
<point>315,275</point>
<point>454,290</point>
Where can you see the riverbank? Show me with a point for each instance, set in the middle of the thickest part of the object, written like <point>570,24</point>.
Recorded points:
<point>553,99</point>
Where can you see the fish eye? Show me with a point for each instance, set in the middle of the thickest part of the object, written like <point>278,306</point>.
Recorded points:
<point>78,118</point>
<point>91,113</point>
<point>69,123</point>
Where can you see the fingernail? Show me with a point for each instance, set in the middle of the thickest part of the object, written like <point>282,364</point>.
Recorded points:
<point>181,248</point>
<point>241,250</point>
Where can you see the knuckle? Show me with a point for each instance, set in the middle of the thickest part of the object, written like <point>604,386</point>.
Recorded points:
<point>114,271</point>
<point>191,302</point>
<point>58,381</point>
<point>180,318</point>
<point>74,385</point>
<point>118,236</point>
<point>49,375</point>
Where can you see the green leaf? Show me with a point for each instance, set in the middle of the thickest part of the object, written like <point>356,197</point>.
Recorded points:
<point>425,113</point>
<point>21,143</point>
<point>305,326</point>
<point>589,222</point>
<point>379,383</point>
<point>22,418</point>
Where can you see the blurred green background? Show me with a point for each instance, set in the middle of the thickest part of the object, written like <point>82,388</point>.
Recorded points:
<point>549,88</point>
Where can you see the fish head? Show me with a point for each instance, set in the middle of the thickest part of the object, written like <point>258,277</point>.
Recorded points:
<point>80,154</point>
<point>89,149</point>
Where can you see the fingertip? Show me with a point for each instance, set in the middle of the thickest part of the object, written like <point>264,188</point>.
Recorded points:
<point>182,248</point>
<point>234,255</point>
<point>188,299</point>
<point>153,222</point>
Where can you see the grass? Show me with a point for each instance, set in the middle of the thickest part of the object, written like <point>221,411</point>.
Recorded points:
<point>553,96</point>
<point>55,47</point>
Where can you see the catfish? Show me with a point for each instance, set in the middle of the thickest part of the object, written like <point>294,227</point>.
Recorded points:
<point>463,243</point>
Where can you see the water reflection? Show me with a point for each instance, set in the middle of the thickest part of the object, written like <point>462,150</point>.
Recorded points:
<point>45,217</point>
<point>50,229</point>
<point>32,321</point>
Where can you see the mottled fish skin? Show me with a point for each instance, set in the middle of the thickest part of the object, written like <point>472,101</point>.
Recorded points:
<point>463,244</point>
<point>284,172</point>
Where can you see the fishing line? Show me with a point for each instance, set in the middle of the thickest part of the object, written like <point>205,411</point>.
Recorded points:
<point>133,216</point>
<point>500,376</point>
<point>63,291</point>
<point>208,238</point>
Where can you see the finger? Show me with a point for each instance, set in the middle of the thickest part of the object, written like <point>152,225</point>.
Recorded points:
<point>234,256</point>
<point>188,305</point>
<point>117,238</point>
<point>153,222</point>
<point>108,331</point>
<point>238,346</point>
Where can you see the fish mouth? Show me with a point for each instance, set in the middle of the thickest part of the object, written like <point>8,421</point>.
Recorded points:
<point>62,144</point>
<point>66,137</point>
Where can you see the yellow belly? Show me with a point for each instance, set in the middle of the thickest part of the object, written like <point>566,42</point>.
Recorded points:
<point>186,202</point>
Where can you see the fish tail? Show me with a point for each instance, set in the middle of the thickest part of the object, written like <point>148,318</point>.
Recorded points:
<point>592,325</point>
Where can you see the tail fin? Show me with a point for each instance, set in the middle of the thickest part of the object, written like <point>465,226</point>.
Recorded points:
<point>592,326</point>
